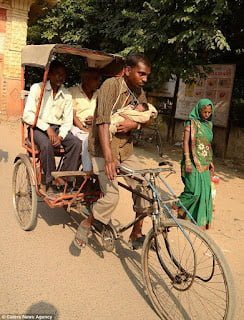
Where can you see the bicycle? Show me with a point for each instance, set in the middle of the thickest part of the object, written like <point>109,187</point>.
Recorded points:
<point>184,271</point>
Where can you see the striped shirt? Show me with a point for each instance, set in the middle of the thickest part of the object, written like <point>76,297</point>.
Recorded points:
<point>113,95</point>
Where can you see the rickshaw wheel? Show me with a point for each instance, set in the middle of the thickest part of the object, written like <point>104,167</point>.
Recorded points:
<point>24,195</point>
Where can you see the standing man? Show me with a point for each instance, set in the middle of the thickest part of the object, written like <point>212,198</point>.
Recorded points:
<point>106,155</point>
<point>84,103</point>
<point>54,123</point>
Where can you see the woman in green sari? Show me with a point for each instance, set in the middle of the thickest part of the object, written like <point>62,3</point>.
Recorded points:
<point>197,165</point>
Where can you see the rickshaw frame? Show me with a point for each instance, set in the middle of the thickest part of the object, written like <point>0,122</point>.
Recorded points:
<point>40,56</point>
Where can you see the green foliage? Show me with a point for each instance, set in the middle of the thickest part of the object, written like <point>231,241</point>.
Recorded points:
<point>177,35</point>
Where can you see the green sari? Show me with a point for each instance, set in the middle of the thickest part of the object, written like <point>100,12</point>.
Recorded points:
<point>196,197</point>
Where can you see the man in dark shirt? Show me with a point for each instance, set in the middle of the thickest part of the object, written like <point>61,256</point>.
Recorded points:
<point>106,155</point>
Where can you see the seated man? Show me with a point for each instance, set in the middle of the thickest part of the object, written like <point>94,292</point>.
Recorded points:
<point>84,103</point>
<point>114,94</point>
<point>54,123</point>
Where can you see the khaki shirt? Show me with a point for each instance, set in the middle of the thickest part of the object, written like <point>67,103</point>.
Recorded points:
<point>82,105</point>
<point>56,110</point>
<point>113,95</point>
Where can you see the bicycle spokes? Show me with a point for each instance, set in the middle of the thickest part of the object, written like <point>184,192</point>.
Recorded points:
<point>184,283</point>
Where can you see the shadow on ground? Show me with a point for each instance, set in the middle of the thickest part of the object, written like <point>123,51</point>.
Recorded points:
<point>42,308</point>
<point>131,262</point>
<point>3,155</point>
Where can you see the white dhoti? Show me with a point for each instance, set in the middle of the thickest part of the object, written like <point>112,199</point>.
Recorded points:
<point>85,156</point>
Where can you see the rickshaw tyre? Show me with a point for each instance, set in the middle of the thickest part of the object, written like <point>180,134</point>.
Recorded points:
<point>31,224</point>
<point>217,252</point>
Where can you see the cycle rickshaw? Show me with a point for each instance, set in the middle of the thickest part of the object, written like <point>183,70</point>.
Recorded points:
<point>185,274</point>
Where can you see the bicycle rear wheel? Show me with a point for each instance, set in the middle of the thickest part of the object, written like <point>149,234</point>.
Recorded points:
<point>169,269</point>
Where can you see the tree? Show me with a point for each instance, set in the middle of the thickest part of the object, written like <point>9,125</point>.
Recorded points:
<point>176,34</point>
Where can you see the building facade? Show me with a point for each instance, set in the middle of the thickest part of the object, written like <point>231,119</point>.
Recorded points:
<point>13,32</point>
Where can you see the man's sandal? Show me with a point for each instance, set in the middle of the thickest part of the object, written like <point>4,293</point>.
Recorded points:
<point>181,214</point>
<point>81,236</point>
<point>138,243</point>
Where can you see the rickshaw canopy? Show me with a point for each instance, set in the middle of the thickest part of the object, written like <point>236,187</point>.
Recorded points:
<point>40,55</point>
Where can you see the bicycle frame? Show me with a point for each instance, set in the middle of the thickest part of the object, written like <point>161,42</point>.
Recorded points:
<point>157,215</point>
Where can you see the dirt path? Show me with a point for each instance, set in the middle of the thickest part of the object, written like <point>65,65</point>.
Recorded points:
<point>42,272</point>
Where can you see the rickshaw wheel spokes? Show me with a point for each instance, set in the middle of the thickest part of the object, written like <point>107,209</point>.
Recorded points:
<point>24,195</point>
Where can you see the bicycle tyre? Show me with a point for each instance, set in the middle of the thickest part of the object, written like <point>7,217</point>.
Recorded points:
<point>176,304</point>
<point>24,195</point>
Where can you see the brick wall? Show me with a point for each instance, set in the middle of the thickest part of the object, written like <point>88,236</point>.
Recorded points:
<point>3,21</point>
<point>13,31</point>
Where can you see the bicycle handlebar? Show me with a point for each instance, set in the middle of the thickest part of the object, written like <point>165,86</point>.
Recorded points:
<point>143,172</point>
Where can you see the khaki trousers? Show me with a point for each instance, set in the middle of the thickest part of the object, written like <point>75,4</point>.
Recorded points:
<point>102,210</point>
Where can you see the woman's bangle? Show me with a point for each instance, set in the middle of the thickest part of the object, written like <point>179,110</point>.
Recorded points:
<point>188,162</point>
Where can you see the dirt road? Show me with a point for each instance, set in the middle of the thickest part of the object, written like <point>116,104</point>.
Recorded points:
<point>41,271</point>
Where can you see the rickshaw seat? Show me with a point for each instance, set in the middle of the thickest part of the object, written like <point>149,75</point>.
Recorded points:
<point>59,174</point>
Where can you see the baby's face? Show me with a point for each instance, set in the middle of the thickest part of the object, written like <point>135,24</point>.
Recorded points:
<point>140,108</point>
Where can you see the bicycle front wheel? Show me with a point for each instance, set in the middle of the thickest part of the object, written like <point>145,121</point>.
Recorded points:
<point>186,275</point>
